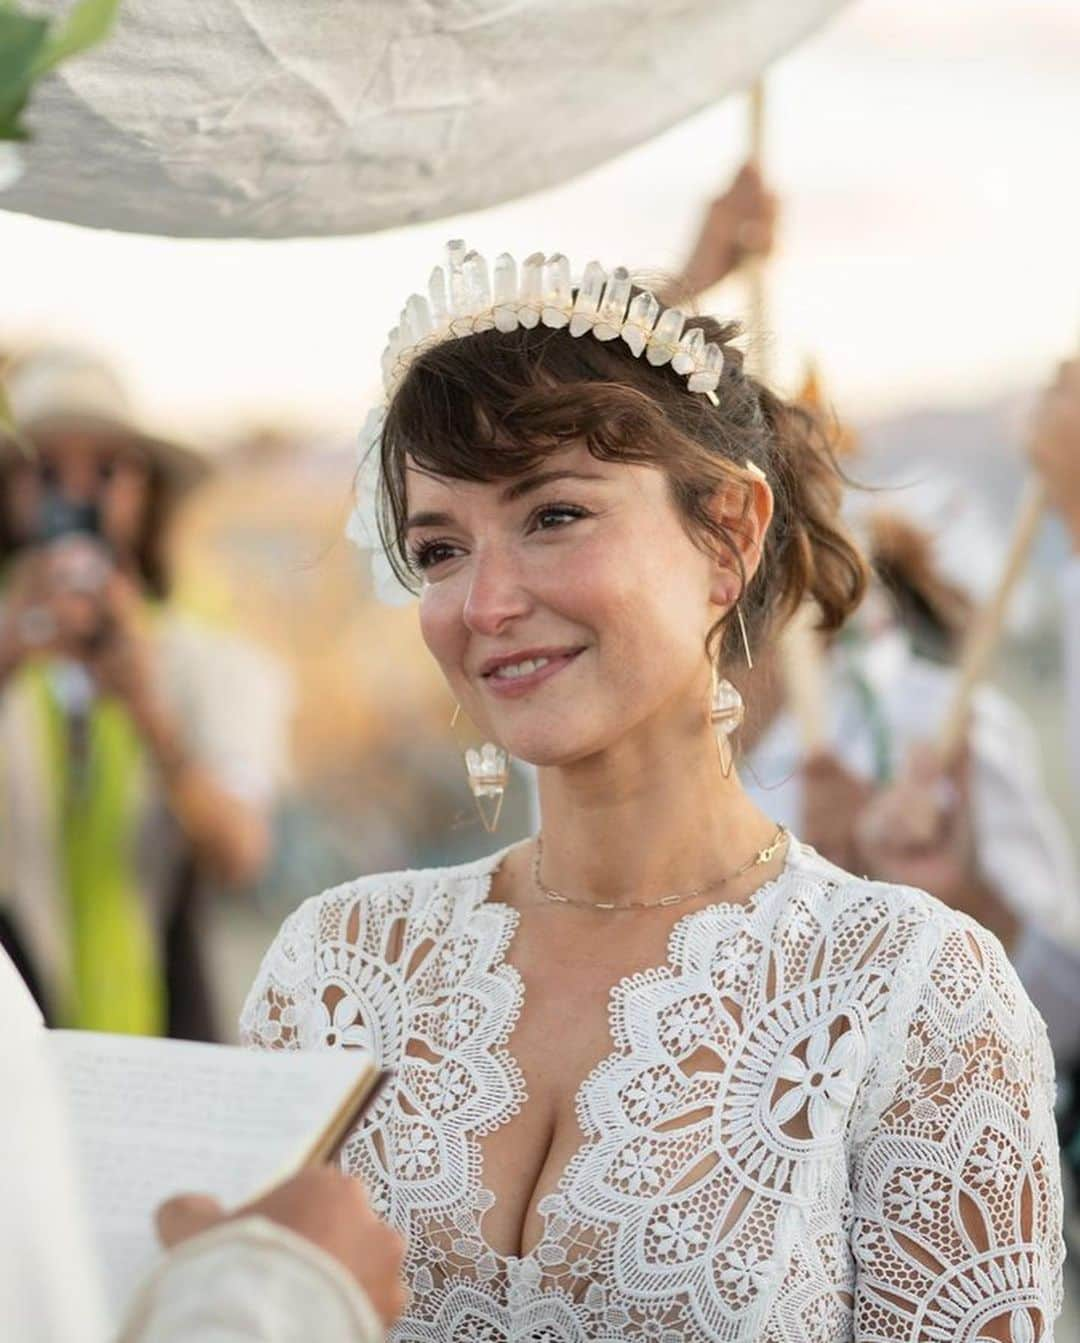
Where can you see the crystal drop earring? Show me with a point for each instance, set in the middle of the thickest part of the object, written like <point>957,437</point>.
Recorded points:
<point>726,711</point>
<point>489,773</point>
<point>488,769</point>
<point>726,707</point>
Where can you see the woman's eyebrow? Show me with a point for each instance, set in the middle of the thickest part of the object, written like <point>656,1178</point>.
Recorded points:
<point>428,520</point>
<point>517,489</point>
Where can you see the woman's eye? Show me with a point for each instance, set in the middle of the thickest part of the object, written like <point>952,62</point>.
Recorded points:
<point>434,552</point>
<point>557,515</point>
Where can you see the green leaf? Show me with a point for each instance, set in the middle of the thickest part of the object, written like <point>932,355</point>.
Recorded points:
<point>11,128</point>
<point>87,25</point>
<point>22,41</point>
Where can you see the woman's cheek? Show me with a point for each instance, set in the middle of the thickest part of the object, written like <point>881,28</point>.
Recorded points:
<point>442,628</point>
<point>432,621</point>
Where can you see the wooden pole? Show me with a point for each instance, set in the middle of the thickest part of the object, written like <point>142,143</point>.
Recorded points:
<point>757,293</point>
<point>802,658</point>
<point>986,631</point>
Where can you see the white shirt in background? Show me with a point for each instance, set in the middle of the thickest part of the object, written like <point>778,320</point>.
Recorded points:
<point>1022,843</point>
<point>1070,591</point>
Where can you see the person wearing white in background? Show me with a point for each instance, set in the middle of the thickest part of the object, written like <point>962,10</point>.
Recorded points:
<point>991,842</point>
<point>1055,454</point>
<point>1048,963</point>
<point>984,837</point>
<point>309,1261</point>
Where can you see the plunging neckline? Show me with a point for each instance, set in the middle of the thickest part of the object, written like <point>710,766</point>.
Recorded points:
<point>486,870</point>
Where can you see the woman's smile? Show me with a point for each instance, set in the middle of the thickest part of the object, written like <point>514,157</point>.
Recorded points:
<point>517,674</point>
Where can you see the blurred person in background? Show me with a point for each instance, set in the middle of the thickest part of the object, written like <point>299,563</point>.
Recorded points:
<point>1055,454</point>
<point>874,800</point>
<point>738,226</point>
<point>139,748</point>
<point>983,835</point>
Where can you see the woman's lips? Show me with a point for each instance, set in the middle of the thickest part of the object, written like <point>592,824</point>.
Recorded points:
<point>513,687</point>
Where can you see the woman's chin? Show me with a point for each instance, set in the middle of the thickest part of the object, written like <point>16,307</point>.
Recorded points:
<point>550,749</point>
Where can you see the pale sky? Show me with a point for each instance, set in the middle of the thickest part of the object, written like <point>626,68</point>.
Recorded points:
<point>926,154</point>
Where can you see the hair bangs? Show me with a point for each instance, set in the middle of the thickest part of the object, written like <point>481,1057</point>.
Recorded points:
<point>494,405</point>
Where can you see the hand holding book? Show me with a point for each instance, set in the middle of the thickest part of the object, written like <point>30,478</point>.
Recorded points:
<point>99,1130</point>
<point>324,1206</point>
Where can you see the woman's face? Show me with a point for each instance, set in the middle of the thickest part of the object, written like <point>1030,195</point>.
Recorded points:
<point>567,608</point>
<point>84,467</point>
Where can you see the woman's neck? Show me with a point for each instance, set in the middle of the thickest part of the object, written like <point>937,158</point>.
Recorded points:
<point>645,820</point>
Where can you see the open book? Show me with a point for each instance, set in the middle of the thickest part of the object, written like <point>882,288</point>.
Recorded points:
<point>146,1119</point>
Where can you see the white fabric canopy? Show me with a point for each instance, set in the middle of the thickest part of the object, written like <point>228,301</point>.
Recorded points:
<point>279,118</point>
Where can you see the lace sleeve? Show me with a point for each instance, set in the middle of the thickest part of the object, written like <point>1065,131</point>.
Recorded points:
<point>285,987</point>
<point>957,1192</point>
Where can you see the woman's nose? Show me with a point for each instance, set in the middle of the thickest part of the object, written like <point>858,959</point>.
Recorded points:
<point>496,594</point>
<point>79,480</point>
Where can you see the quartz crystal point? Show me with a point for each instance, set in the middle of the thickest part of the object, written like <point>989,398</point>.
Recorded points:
<point>532,287</point>
<point>506,293</point>
<point>558,296</point>
<point>390,357</point>
<point>418,316</point>
<point>665,337</point>
<point>727,710</point>
<point>440,313</point>
<point>691,352</point>
<point>640,320</point>
<point>588,299</point>
<point>612,311</point>
<point>707,379</point>
<point>478,291</point>
<point>455,274</point>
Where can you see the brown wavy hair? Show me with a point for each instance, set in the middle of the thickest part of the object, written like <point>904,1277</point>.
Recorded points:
<point>493,405</point>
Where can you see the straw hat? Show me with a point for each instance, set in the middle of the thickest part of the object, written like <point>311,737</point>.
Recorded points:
<point>59,387</point>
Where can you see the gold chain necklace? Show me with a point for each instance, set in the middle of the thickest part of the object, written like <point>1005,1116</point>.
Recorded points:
<point>765,855</point>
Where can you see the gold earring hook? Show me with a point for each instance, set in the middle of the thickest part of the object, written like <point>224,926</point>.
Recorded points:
<point>745,638</point>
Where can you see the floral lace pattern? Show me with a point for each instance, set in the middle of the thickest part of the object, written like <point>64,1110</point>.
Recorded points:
<point>828,1117</point>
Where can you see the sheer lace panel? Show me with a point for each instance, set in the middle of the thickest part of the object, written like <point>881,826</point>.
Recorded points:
<point>957,1195</point>
<point>826,1118</point>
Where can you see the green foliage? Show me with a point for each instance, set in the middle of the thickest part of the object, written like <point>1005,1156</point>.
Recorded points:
<point>30,47</point>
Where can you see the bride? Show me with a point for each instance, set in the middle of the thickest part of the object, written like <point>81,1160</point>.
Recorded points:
<point>661,1072</point>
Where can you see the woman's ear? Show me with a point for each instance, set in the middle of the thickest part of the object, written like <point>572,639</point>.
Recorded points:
<point>744,510</point>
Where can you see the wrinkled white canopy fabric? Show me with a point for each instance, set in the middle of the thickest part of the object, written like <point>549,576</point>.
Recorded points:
<point>279,118</point>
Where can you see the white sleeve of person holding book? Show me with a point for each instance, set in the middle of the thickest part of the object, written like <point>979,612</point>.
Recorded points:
<point>308,1261</point>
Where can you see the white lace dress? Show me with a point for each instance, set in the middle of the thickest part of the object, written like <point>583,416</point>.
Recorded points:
<point>924,1203</point>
